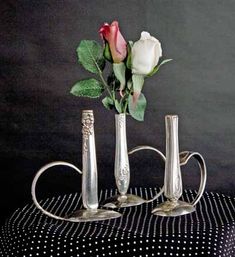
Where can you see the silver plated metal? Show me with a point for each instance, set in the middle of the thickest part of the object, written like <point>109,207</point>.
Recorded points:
<point>146,147</point>
<point>89,164</point>
<point>122,169</point>
<point>121,165</point>
<point>172,179</point>
<point>89,179</point>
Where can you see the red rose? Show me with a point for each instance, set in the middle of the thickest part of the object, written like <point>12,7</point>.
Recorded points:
<point>117,44</point>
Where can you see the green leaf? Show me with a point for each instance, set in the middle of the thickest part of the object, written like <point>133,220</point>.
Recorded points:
<point>90,55</point>
<point>119,70</point>
<point>87,88</point>
<point>156,68</point>
<point>128,61</point>
<point>138,82</point>
<point>137,110</point>
<point>108,102</point>
<point>118,106</point>
<point>107,53</point>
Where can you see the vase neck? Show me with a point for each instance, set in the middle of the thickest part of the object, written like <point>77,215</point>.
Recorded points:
<point>89,169</point>
<point>120,120</point>
<point>121,169</point>
<point>172,181</point>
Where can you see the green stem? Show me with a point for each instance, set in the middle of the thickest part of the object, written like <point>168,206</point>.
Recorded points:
<point>125,106</point>
<point>100,73</point>
<point>105,84</point>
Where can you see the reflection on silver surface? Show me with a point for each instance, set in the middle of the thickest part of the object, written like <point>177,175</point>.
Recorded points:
<point>89,179</point>
<point>92,215</point>
<point>122,169</point>
<point>172,179</point>
<point>146,147</point>
<point>121,165</point>
<point>89,164</point>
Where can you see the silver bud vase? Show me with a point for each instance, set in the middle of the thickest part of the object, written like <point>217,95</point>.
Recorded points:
<point>89,164</point>
<point>122,169</point>
<point>172,178</point>
<point>89,178</point>
<point>121,165</point>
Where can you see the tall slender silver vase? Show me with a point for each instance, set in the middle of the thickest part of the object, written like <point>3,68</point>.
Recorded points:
<point>172,179</point>
<point>89,178</point>
<point>89,164</point>
<point>121,165</point>
<point>122,169</point>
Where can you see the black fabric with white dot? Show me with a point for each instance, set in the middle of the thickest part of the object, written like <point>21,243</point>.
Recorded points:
<point>210,231</point>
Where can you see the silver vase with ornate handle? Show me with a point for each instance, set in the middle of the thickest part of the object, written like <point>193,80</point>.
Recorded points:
<point>122,169</point>
<point>172,179</point>
<point>89,178</point>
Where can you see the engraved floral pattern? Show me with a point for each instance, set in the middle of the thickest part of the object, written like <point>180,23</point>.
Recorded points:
<point>87,128</point>
<point>124,173</point>
<point>121,120</point>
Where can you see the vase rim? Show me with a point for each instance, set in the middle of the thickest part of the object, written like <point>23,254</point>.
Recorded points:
<point>171,116</point>
<point>90,111</point>
<point>120,114</point>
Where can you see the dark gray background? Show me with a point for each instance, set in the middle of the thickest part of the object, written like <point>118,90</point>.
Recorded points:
<point>41,122</point>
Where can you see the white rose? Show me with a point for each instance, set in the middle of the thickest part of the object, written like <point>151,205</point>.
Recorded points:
<point>145,54</point>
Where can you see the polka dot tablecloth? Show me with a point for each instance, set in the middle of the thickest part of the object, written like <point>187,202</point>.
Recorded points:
<point>210,231</point>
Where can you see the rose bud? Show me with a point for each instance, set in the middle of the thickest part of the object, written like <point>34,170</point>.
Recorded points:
<point>117,44</point>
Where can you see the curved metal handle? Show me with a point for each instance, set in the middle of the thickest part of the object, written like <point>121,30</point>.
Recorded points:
<point>184,158</point>
<point>33,187</point>
<point>146,147</point>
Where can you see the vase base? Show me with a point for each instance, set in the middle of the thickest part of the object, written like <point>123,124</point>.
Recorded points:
<point>122,201</point>
<point>173,208</point>
<point>92,215</point>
